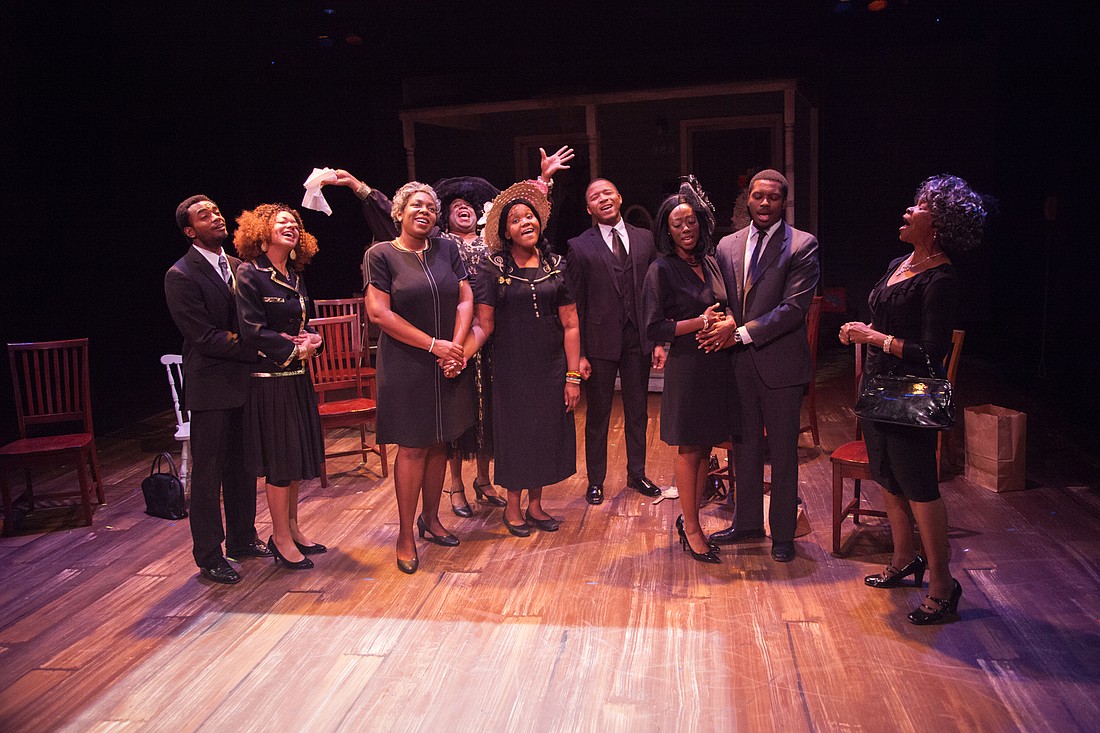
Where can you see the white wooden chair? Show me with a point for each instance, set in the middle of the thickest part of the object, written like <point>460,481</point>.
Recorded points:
<point>173,363</point>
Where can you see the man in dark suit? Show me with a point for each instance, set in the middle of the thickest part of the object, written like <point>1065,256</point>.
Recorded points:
<point>771,271</point>
<point>607,265</point>
<point>216,366</point>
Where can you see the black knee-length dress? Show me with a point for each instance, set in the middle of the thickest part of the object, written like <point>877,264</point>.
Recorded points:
<point>417,405</point>
<point>698,399</point>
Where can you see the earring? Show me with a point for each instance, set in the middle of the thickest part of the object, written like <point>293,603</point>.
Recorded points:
<point>293,254</point>
<point>263,247</point>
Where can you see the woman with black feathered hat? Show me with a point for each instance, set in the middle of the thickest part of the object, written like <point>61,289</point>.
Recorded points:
<point>684,293</point>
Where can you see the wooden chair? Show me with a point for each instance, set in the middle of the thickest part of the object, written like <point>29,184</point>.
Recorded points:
<point>51,389</point>
<point>173,364</point>
<point>850,460</point>
<point>338,368</point>
<point>366,333</point>
<point>813,328</point>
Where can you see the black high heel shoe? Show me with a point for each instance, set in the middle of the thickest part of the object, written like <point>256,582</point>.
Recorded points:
<point>891,577</point>
<point>490,499</point>
<point>409,566</point>
<point>544,525</point>
<point>680,528</point>
<point>921,617</point>
<point>304,564</point>
<point>711,555</point>
<point>461,511</point>
<point>447,540</point>
<point>519,530</point>
<point>315,549</point>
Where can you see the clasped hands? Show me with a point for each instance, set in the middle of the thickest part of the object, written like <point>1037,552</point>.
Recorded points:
<point>308,343</point>
<point>719,331</point>
<point>854,332</point>
<point>449,356</point>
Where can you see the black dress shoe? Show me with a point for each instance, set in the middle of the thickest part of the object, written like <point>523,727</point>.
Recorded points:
<point>443,540</point>
<point>731,535</point>
<point>783,551</point>
<point>254,549</point>
<point>519,530</point>
<point>304,564</point>
<point>937,610</point>
<point>221,572</point>
<point>315,549</point>
<point>594,495</point>
<point>544,525</point>
<point>644,486</point>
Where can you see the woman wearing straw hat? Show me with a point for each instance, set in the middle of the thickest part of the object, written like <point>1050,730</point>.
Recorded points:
<point>523,301</point>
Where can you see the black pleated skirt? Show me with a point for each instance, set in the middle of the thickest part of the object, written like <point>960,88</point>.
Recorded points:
<point>282,430</point>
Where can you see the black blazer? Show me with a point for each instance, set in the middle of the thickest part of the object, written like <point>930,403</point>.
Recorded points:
<point>269,307</point>
<point>216,364</point>
<point>591,267</point>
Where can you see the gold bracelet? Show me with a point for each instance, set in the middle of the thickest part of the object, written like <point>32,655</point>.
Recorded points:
<point>573,374</point>
<point>887,342</point>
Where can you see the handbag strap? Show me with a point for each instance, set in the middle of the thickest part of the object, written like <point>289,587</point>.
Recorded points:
<point>171,465</point>
<point>928,361</point>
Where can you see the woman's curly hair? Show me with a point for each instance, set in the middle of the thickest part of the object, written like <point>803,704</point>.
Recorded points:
<point>958,212</point>
<point>253,234</point>
<point>401,200</point>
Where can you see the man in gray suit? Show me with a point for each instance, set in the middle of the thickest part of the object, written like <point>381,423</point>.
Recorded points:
<point>771,271</point>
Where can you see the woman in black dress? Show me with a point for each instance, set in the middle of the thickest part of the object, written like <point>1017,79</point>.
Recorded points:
<point>282,431</point>
<point>684,293</point>
<point>913,309</point>
<point>524,303</point>
<point>418,296</point>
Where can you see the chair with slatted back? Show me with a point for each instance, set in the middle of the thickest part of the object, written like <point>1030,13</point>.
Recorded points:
<point>365,333</point>
<point>51,392</point>
<point>813,327</point>
<point>337,379</point>
<point>173,363</point>
<point>850,460</point>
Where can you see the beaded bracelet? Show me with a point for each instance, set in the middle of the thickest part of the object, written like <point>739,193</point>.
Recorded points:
<point>887,343</point>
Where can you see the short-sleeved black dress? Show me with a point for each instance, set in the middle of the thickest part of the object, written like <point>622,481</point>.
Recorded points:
<point>534,438</point>
<point>698,400</point>
<point>417,405</point>
<point>282,430</point>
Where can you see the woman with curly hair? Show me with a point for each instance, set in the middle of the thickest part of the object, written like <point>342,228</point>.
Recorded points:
<point>524,303</point>
<point>419,297</point>
<point>683,294</point>
<point>914,310</point>
<point>282,430</point>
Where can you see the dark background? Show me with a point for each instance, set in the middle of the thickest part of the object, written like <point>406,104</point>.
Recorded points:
<point>112,114</point>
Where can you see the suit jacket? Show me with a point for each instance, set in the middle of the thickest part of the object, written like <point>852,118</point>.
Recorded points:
<point>269,307</point>
<point>774,308</point>
<point>591,268</point>
<point>216,364</point>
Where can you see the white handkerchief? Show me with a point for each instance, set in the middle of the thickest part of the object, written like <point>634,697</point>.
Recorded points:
<point>313,198</point>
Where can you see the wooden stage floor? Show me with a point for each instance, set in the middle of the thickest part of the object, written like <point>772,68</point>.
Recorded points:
<point>603,626</point>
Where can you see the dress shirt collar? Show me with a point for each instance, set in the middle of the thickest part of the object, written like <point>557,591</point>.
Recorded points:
<point>620,226</point>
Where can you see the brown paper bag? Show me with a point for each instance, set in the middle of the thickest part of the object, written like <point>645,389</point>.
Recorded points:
<point>995,447</point>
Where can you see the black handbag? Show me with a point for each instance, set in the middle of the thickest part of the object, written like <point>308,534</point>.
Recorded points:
<point>164,491</point>
<point>917,402</point>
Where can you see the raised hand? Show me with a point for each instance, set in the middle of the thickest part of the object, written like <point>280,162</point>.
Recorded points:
<point>551,164</point>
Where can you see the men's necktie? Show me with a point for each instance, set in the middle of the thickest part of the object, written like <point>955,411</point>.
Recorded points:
<point>750,273</point>
<point>224,265</point>
<point>617,246</point>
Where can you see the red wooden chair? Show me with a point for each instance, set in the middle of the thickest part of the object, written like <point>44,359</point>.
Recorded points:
<point>51,390</point>
<point>366,333</point>
<point>850,460</point>
<point>337,369</point>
